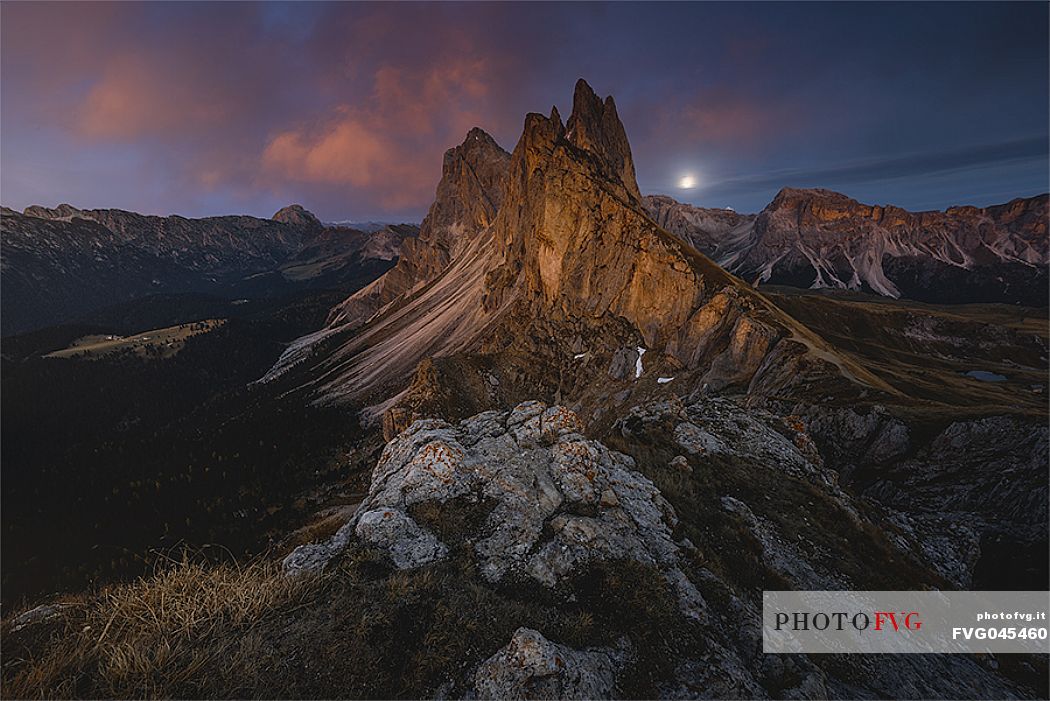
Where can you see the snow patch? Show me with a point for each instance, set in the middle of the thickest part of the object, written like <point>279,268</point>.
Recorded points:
<point>663,380</point>
<point>578,356</point>
<point>638,363</point>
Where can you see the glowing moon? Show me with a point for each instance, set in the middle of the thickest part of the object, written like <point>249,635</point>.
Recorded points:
<point>688,182</point>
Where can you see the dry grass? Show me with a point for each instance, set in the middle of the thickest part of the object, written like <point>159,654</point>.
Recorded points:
<point>150,638</point>
<point>164,342</point>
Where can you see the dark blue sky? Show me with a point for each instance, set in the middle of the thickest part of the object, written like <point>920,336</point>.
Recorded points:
<point>206,109</point>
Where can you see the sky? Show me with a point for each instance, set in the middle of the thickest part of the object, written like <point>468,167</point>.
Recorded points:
<point>207,109</point>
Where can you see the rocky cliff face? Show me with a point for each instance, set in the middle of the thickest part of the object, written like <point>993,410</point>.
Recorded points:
<point>721,234</point>
<point>87,259</point>
<point>571,268</point>
<point>468,197</point>
<point>819,238</point>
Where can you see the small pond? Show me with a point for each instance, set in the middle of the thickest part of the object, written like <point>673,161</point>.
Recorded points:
<point>985,376</point>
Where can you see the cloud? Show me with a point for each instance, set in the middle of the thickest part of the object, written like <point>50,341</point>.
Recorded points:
<point>900,166</point>
<point>206,108</point>
<point>134,99</point>
<point>391,143</point>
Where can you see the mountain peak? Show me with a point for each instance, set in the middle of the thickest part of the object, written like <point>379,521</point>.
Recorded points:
<point>788,194</point>
<point>62,211</point>
<point>477,140</point>
<point>297,216</point>
<point>468,197</point>
<point>471,184</point>
<point>815,237</point>
<point>546,253</point>
<point>595,126</point>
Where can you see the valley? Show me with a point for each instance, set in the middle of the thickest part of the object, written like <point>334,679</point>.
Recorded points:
<point>177,443</point>
<point>929,352</point>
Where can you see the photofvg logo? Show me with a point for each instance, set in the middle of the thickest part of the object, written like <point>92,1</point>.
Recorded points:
<point>904,621</point>
<point>837,620</point>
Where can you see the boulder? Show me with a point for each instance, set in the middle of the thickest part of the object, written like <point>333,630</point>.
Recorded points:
<point>532,667</point>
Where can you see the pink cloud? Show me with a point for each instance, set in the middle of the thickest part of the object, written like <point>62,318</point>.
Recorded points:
<point>133,99</point>
<point>392,142</point>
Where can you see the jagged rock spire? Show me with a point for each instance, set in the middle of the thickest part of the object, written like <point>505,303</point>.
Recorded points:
<point>570,248</point>
<point>596,127</point>
<point>468,197</point>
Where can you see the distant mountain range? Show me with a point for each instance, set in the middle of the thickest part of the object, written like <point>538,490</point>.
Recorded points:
<point>369,227</point>
<point>87,259</point>
<point>60,264</point>
<point>823,239</point>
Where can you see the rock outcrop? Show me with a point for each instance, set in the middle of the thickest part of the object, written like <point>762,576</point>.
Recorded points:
<point>819,238</point>
<point>555,501</point>
<point>532,667</point>
<point>977,494</point>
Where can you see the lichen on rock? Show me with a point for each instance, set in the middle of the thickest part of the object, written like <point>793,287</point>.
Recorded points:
<point>559,501</point>
<point>532,667</point>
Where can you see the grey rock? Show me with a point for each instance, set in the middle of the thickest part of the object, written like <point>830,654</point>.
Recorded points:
<point>780,555</point>
<point>680,463</point>
<point>532,667</point>
<point>408,544</point>
<point>314,557</point>
<point>976,486</point>
<point>44,612</point>
<point>849,438</point>
<point>696,440</point>
<point>540,476</point>
<point>623,364</point>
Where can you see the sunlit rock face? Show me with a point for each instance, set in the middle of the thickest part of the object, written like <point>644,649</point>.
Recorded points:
<point>530,259</point>
<point>823,239</point>
<point>577,244</point>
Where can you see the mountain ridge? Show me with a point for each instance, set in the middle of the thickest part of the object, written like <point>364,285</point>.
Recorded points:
<point>570,255</point>
<point>821,238</point>
<point>95,258</point>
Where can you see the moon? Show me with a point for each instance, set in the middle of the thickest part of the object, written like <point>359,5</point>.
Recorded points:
<point>688,182</point>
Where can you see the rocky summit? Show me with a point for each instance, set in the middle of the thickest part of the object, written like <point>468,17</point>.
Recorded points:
<point>569,268</point>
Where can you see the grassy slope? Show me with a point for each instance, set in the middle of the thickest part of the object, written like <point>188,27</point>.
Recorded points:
<point>161,343</point>
<point>924,350</point>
